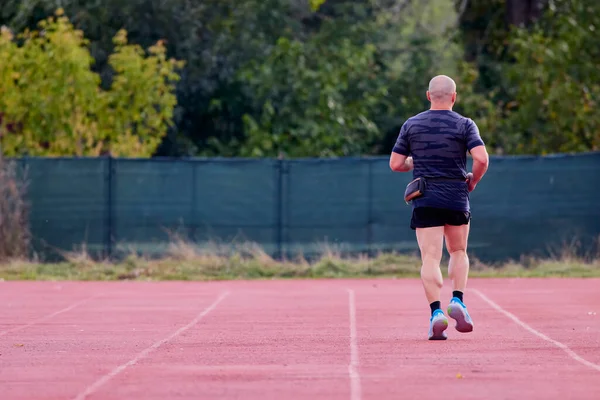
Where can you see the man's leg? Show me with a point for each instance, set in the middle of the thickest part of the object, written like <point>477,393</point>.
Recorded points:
<point>458,267</point>
<point>458,271</point>
<point>431,241</point>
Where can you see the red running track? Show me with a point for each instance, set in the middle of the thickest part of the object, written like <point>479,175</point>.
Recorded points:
<point>352,340</point>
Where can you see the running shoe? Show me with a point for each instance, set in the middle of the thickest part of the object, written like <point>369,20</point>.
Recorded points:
<point>458,311</point>
<point>438,323</point>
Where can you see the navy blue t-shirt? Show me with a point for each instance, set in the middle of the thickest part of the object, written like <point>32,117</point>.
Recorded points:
<point>438,141</point>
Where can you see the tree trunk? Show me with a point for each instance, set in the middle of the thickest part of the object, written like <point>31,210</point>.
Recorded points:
<point>524,12</point>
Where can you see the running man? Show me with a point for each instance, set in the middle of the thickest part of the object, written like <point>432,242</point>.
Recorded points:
<point>434,144</point>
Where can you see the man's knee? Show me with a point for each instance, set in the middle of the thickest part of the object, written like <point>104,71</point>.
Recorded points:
<point>458,252</point>
<point>431,255</point>
<point>456,238</point>
<point>456,245</point>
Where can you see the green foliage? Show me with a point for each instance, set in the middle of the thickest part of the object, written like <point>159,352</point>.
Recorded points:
<point>478,106</point>
<point>140,102</point>
<point>315,4</point>
<point>49,92</point>
<point>238,32</point>
<point>264,77</point>
<point>344,86</point>
<point>540,81</point>
<point>555,82</point>
<point>314,100</point>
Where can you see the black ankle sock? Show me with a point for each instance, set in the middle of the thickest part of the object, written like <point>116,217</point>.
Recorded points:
<point>458,294</point>
<point>436,305</point>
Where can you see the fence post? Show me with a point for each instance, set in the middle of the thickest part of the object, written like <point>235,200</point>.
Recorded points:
<point>287,201</point>
<point>279,208</point>
<point>370,207</point>
<point>108,178</point>
<point>192,228</point>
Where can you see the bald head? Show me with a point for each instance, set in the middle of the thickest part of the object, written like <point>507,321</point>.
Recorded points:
<point>441,89</point>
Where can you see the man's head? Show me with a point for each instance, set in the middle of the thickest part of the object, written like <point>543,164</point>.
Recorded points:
<point>442,92</point>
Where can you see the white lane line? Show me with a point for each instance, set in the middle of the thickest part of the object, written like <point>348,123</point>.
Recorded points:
<point>103,380</point>
<point>46,318</point>
<point>537,333</point>
<point>355,389</point>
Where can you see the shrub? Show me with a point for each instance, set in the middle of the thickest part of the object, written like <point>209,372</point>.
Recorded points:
<point>14,212</point>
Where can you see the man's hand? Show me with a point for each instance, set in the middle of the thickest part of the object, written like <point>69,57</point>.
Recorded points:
<point>409,164</point>
<point>471,182</point>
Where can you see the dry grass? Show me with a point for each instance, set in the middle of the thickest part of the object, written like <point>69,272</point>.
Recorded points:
<point>184,261</point>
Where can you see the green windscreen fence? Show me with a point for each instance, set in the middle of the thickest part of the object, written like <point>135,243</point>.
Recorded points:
<point>524,205</point>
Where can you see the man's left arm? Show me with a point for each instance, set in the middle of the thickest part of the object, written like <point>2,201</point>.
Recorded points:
<point>400,160</point>
<point>476,147</point>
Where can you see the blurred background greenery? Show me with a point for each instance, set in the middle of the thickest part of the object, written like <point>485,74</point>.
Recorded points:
<point>291,78</point>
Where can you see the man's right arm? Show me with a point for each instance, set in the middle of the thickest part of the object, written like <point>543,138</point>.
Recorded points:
<point>400,160</point>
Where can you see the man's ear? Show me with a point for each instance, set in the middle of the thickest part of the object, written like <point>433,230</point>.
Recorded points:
<point>428,96</point>
<point>454,98</point>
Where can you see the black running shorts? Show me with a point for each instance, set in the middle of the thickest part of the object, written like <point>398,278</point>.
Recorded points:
<point>428,217</point>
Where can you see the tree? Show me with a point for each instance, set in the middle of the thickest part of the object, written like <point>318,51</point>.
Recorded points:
<point>372,59</point>
<point>555,82</point>
<point>234,96</point>
<point>50,93</point>
<point>48,90</point>
<point>537,67</point>
<point>139,105</point>
<point>312,100</point>
<point>179,24</point>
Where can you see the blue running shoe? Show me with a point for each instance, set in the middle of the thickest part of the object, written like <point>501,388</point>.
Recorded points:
<point>458,311</point>
<point>438,323</point>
